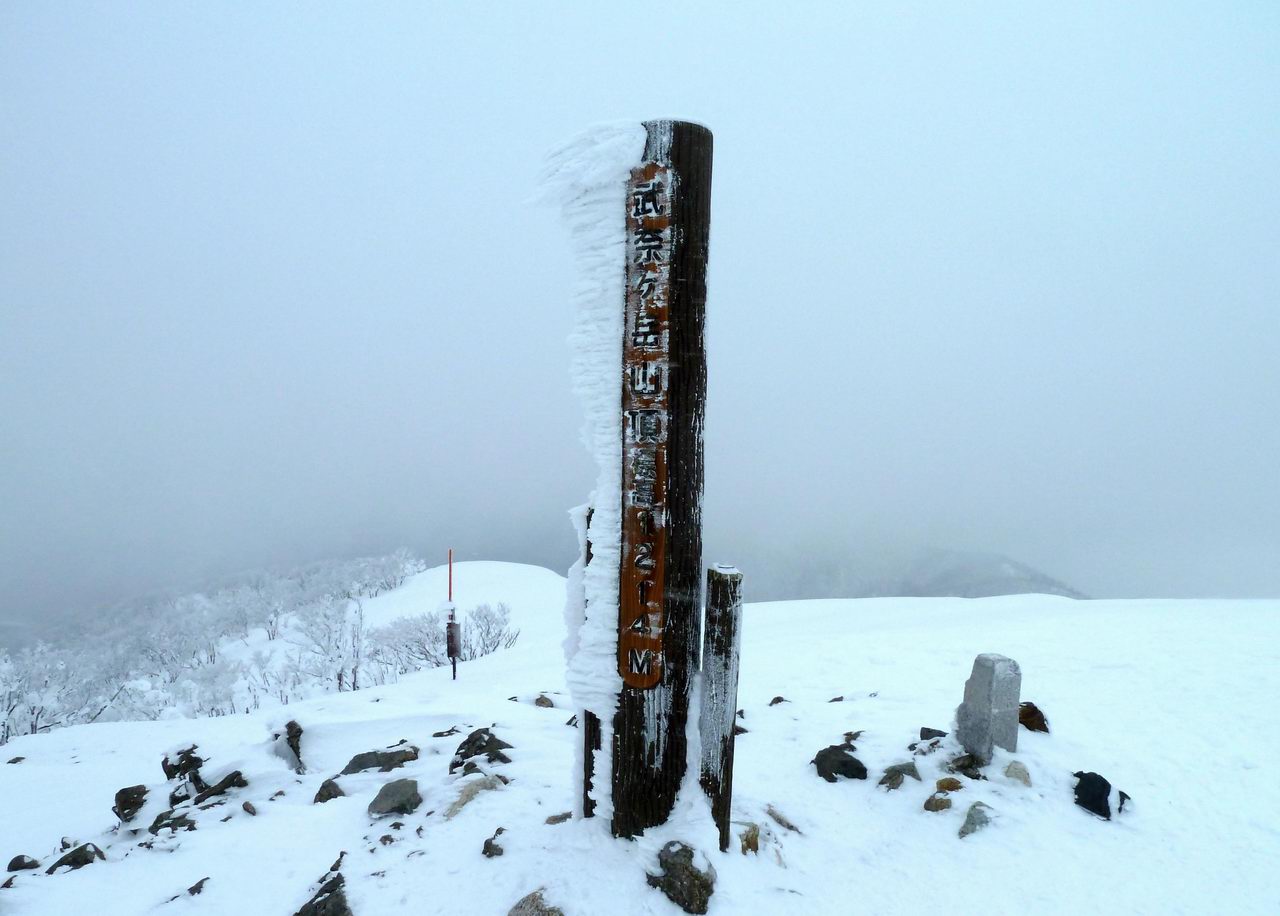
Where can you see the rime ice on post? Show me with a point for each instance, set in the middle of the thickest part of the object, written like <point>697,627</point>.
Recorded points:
<point>988,717</point>
<point>637,199</point>
<point>721,643</point>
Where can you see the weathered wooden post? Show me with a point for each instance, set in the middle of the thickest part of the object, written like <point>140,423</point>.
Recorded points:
<point>637,202</point>
<point>663,403</point>
<point>721,641</point>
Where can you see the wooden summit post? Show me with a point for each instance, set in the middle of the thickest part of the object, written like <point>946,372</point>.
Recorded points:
<point>664,385</point>
<point>721,644</point>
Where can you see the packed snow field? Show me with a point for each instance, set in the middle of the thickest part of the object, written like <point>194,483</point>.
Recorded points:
<point>1172,701</point>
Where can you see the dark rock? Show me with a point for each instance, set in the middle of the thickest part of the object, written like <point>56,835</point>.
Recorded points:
<point>573,721</point>
<point>481,741</point>
<point>894,775</point>
<point>78,858</point>
<point>68,843</point>
<point>850,737</point>
<point>491,848</point>
<point>386,839</point>
<point>921,748</point>
<point>278,793</point>
<point>836,761</point>
<point>544,701</point>
<point>185,763</point>
<point>386,761</point>
<point>534,905</point>
<point>8,884</point>
<point>966,765</point>
<point>179,795</point>
<point>330,900</point>
<point>739,730</point>
<point>232,780</point>
<point>975,819</point>
<point>168,820</point>
<point>927,733</point>
<point>776,700</point>
<point>685,885</point>
<point>400,796</point>
<point>22,863</point>
<point>1093,793</point>
<point>15,760</point>
<point>452,730</point>
<point>249,809</point>
<point>1031,718</point>
<point>329,790</point>
<point>129,802</point>
<point>741,714</point>
<point>198,888</point>
<point>291,746</point>
<point>559,818</point>
<point>839,699</point>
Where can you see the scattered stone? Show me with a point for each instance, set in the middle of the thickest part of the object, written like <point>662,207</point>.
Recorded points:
<point>278,793</point>
<point>78,858</point>
<point>232,780</point>
<point>249,809</point>
<point>8,884</point>
<point>1093,793</point>
<point>491,848</point>
<point>291,747</point>
<point>168,820</point>
<point>197,888</point>
<point>1031,718</point>
<point>22,863</point>
<point>129,802</point>
<point>839,699</point>
<point>534,905</point>
<point>989,714</point>
<point>835,761</point>
<point>921,748</point>
<point>894,775</point>
<point>850,737</point>
<point>750,839</point>
<point>1017,770</point>
<point>966,765</point>
<point>738,730</point>
<point>544,701</point>
<point>559,818</point>
<point>329,790</point>
<point>330,900</point>
<point>937,802</point>
<point>185,763</point>
<point>481,741</point>
<point>684,884</point>
<point>781,820</point>
<point>451,730</point>
<point>385,761</point>
<point>573,721</point>
<point>68,843</point>
<point>400,796</point>
<point>776,700</point>
<point>949,784</point>
<point>386,839</point>
<point>179,795</point>
<point>975,819</point>
<point>470,790</point>
<point>741,714</point>
<point>15,760</point>
<point>927,733</point>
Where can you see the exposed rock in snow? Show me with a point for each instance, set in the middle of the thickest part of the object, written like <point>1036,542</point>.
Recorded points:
<point>1031,718</point>
<point>78,858</point>
<point>534,905</point>
<point>233,780</point>
<point>470,789</point>
<point>182,764</point>
<point>329,790</point>
<point>481,741</point>
<point>400,796</point>
<point>937,802</point>
<point>685,885</point>
<point>837,760</point>
<point>975,819</point>
<point>22,863</point>
<point>1018,771</point>
<point>894,775</point>
<point>491,848</point>
<point>129,802</point>
<point>329,900</point>
<point>387,760</point>
<point>988,716</point>
<point>1095,794</point>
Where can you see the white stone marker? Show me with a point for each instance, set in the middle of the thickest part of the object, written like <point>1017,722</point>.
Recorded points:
<point>989,714</point>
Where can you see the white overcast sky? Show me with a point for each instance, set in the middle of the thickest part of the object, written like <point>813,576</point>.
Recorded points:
<point>993,276</point>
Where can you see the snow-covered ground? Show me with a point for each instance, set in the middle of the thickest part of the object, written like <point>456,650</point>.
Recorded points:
<point>1173,701</point>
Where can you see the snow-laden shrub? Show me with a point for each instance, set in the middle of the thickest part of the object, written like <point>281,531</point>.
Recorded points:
<point>417,642</point>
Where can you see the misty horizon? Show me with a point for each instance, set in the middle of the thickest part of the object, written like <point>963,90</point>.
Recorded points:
<point>998,282</point>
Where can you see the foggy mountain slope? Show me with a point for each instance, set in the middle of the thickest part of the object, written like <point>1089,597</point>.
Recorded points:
<point>966,574</point>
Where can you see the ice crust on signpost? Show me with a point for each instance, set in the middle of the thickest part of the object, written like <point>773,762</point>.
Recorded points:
<point>588,178</point>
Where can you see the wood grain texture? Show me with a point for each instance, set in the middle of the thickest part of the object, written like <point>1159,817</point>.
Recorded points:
<point>721,648</point>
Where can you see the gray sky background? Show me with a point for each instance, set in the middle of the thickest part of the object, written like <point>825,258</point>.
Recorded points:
<point>989,276</point>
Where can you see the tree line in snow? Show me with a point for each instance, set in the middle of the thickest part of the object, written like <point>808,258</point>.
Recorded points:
<point>263,639</point>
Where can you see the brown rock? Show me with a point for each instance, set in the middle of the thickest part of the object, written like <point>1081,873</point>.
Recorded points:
<point>937,802</point>
<point>949,784</point>
<point>1031,718</point>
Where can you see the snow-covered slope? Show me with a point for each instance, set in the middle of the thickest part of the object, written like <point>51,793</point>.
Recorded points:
<point>1173,701</point>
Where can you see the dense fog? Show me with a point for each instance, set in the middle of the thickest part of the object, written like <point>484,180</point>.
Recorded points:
<point>988,283</point>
